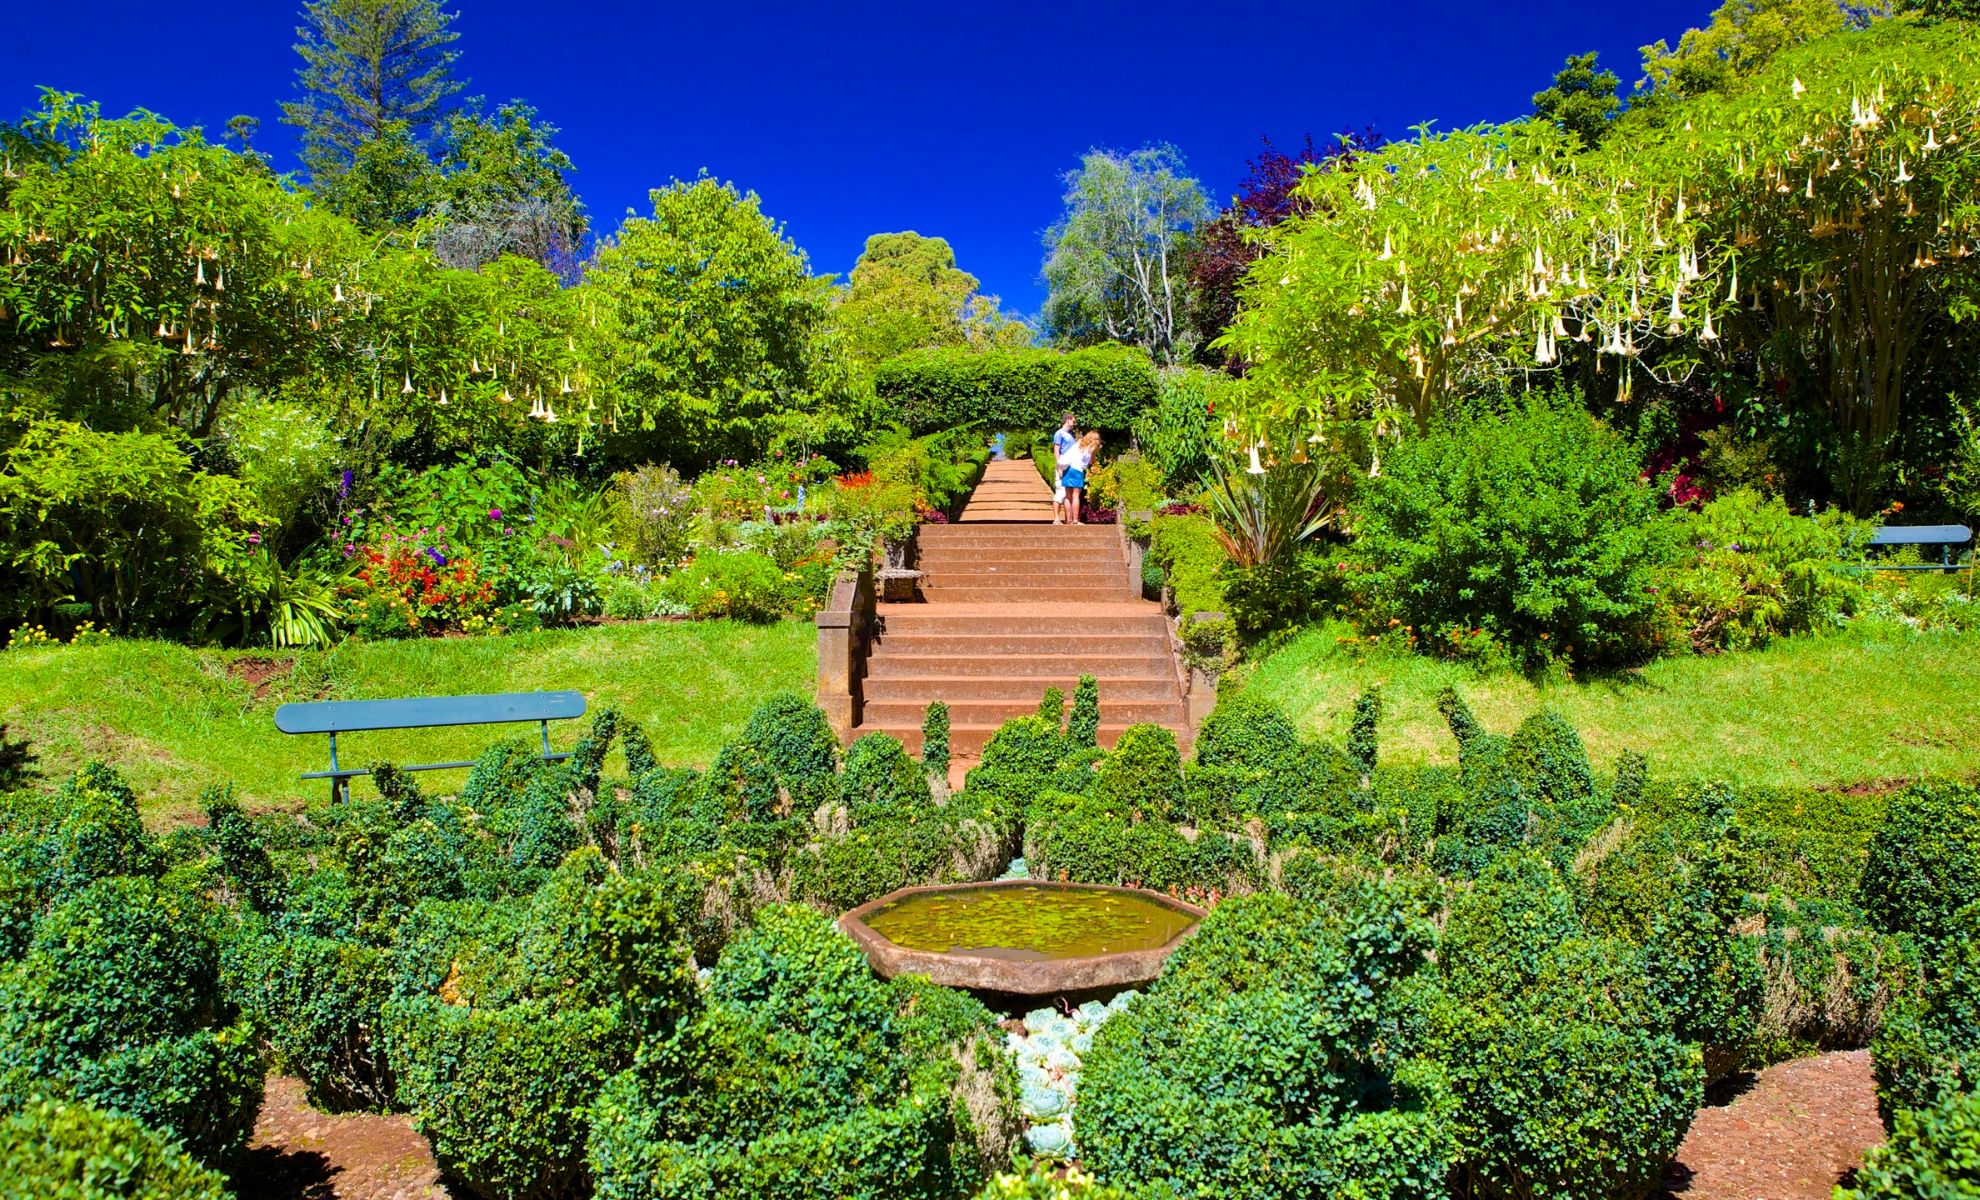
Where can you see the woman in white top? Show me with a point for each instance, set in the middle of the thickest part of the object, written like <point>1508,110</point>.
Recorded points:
<point>1076,461</point>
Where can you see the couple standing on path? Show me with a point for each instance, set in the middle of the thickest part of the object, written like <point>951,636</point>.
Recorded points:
<point>1074,456</point>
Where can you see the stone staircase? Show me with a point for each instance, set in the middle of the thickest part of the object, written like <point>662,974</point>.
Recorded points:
<point>1012,605</point>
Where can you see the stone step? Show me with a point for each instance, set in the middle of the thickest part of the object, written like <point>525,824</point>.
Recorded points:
<point>1015,649</point>
<point>930,620</point>
<point>956,688</point>
<point>1092,576</point>
<point>966,741</point>
<point>1020,666</point>
<point>910,710</point>
<point>1056,560</point>
<point>939,535</point>
<point>938,593</point>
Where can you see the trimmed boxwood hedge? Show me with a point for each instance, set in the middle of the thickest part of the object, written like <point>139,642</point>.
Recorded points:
<point>1106,386</point>
<point>53,1150</point>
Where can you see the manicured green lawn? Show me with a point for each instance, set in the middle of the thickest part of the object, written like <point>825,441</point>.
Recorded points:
<point>178,720</point>
<point>1869,704</point>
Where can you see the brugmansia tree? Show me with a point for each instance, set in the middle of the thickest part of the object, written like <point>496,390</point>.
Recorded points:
<point>146,277</point>
<point>1843,185</point>
<point>1433,265</point>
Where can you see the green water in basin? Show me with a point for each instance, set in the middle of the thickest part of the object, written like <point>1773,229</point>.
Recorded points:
<point>1028,923</point>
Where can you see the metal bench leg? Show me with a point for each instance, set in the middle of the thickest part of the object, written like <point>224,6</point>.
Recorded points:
<point>545,727</point>
<point>340,788</point>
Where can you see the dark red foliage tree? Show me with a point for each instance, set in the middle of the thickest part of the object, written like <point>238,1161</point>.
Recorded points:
<point>1265,197</point>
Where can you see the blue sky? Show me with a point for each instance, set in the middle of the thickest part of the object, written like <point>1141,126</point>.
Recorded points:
<point>849,119</point>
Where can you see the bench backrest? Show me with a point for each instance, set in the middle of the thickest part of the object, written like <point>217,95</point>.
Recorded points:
<point>1922,535</point>
<point>345,716</point>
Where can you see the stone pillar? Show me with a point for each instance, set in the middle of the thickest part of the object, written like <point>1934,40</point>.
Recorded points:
<point>1201,686</point>
<point>843,625</point>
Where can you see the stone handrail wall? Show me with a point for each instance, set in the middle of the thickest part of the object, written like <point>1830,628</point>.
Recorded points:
<point>844,626</point>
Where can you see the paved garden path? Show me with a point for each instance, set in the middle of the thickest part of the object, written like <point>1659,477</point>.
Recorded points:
<point>1011,605</point>
<point>1792,1134</point>
<point>299,1153</point>
<point>1795,1130</point>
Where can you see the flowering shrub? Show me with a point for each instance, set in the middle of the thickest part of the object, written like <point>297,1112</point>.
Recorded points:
<point>659,512</point>
<point>734,492</point>
<point>407,584</point>
<point>744,585</point>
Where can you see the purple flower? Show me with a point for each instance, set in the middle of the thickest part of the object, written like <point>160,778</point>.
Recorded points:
<point>439,559</point>
<point>344,488</point>
<point>254,539</point>
<point>494,514</point>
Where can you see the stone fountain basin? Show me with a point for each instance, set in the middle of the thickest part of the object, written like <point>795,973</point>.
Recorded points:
<point>1017,970</point>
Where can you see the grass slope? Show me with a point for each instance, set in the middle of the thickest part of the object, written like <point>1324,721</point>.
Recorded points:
<point>177,720</point>
<point>1869,704</point>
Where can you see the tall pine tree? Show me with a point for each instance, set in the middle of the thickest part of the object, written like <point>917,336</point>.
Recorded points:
<point>376,82</point>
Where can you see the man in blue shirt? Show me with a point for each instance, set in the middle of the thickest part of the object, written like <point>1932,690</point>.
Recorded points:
<point>1062,441</point>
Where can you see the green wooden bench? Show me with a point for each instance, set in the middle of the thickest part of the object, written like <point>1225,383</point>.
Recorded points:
<point>426,712</point>
<point>1945,537</point>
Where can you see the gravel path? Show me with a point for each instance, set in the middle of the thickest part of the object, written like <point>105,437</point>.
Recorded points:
<point>1791,1133</point>
<point>299,1153</point>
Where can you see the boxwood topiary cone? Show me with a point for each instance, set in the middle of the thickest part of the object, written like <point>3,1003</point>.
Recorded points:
<point>935,740</point>
<point>1083,727</point>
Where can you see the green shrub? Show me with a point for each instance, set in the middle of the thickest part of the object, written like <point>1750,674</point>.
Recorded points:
<point>1144,772</point>
<point>119,521</point>
<point>1535,527</point>
<point>500,1065</point>
<point>1086,839</point>
<point>1828,985</point>
<point>1245,733</point>
<point>316,1003</point>
<point>1019,760</point>
<point>54,1150</point>
<point>1128,483</point>
<point>1257,1065</point>
<point>1278,594</point>
<point>99,833</point>
<point>935,740</point>
<point>807,1075</point>
<point>1083,726</point>
<point>1107,386</point>
<point>1924,864</point>
<point>793,734</point>
<point>1752,570</point>
<point>1929,1046</point>
<point>117,1004</point>
<point>1037,1183</point>
<point>1933,1154</point>
<point>503,1094</point>
<point>1181,432</point>
<point>1192,561</point>
<point>1547,757</point>
<point>1567,1084</point>
<point>882,783</point>
<point>741,584</point>
<point>1363,734</point>
<point>1052,708</point>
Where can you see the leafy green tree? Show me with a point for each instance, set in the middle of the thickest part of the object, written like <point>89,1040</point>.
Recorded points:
<point>1743,36</point>
<point>1116,265</point>
<point>707,324</point>
<point>376,79</point>
<point>505,191</point>
<point>1583,99</point>
<point>906,293</point>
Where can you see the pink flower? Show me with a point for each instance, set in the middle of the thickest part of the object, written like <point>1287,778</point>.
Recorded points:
<point>254,539</point>
<point>494,514</point>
